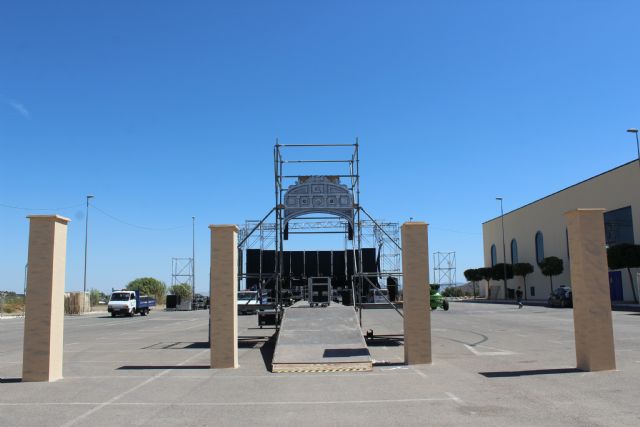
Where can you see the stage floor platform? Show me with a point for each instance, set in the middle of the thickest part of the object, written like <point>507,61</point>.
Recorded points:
<point>320,339</point>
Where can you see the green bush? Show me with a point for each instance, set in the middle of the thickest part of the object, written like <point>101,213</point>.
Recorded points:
<point>149,286</point>
<point>183,290</point>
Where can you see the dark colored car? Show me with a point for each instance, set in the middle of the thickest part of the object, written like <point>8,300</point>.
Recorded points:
<point>561,297</point>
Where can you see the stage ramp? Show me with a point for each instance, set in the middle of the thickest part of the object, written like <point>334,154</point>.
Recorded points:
<point>320,339</point>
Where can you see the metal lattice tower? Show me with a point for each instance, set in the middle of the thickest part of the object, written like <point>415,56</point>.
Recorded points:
<point>182,271</point>
<point>444,268</point>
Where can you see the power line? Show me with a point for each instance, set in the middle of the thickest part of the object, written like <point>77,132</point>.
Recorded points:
<point>142,227</point>
<point>454,231</point>
<point>40,209</point>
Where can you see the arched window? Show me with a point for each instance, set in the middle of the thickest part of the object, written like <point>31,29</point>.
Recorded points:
<point>539,247</point>
<point>514,251</point>
<point>494,255</point>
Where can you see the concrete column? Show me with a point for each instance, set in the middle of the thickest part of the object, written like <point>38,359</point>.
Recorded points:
<point>224,296</point>
<point>592,322</point>
<point>415,277</point>
<point>44,319</point>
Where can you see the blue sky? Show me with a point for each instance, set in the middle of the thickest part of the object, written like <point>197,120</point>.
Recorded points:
<point>166,110</point>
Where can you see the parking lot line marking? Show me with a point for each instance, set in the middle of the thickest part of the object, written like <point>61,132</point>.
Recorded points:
<point>488,353</point>
<point>131,390</point>
<point>419,372</point>
<point>455,398</point>
<point>243,403</point>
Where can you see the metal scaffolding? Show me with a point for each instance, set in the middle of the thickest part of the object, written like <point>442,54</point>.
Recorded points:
<point>338,166</point>
<point>182,271</point>
<point>444,268</point>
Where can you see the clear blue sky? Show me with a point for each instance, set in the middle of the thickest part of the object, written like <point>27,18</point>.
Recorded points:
<point>169,109</point>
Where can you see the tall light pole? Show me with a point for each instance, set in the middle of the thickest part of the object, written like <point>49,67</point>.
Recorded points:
<point>504,250</point>
<point>193,260</point>
<point>633,130</point>
<point>86,239</point>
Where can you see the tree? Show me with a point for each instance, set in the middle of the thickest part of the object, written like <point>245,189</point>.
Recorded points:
<point>625,255</point>
<point>497,274</point>
<point>183,290</point>
<point>95,296</point>
<point>149,286</point>
<point>551,266</point>
<point>486,273</point>
<point>453,291</point>
<point>473,275</point>
<point>523,269</point>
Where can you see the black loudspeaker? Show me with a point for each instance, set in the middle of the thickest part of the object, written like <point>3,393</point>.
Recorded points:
<point>286,263</point>
<point>392,288</point>
<point>297,263</point>
<point>268,262</point>
<point>311,263</point>
<point>324,261</point>
<point>350,231</point>
<point>339,263</point>
<point>286,232</point>
<point>253,261</point>
<point>172,301</point>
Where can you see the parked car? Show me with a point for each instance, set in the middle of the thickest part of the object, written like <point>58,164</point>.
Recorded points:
<point>561,297</point>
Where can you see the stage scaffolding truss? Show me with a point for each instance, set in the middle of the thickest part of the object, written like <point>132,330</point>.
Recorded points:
<point>318,192</point>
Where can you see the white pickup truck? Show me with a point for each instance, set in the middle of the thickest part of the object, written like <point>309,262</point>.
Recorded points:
<point>129,303</point>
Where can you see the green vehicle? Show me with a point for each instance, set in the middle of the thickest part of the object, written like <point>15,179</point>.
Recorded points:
<point>437,300</point>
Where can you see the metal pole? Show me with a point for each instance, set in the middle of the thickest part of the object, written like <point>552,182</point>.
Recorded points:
<point>504,250</point>
<point>634,130</point>
<point>638,146</point>
<point>86,240</point>
<point>193,260</point>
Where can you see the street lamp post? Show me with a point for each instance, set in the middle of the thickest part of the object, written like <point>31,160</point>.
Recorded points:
<point>86,239</point>
<point>504,250</point>
<point>633,130</point>
<point>193,260</point>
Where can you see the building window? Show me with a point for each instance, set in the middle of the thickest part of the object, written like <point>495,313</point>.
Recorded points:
<point>532,291</point>
<point>539,247</point>
<point>514,251</point>
<point>566,234</point>
<point>618,226</point>
<point>494,255</point>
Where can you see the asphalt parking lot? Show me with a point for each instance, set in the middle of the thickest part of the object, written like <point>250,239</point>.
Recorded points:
<point>493,365</point>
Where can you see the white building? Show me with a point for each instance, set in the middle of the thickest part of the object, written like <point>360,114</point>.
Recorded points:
<point>538,230</point>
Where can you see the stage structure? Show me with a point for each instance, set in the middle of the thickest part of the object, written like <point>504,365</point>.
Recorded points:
<point>318,192</point>
<point>444,268</point>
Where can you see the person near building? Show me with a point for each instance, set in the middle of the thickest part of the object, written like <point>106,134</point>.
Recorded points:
<point>519,297</point>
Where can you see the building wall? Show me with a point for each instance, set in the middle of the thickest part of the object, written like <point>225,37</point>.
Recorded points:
<point>617,188</point>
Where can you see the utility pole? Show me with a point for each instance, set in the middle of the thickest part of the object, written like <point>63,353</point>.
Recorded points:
<point>86,239</point>
<point>193,260</point>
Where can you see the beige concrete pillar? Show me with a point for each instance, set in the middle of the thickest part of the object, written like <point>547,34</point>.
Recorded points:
<point>592,322</point>
<point>224,296</point>
<point>44,310</point>
<point>415,278</point>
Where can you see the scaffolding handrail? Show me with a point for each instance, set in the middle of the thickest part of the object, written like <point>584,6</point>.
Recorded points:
<point>317,161</point>
<point>256,227</point>
<point>316,145</point>
<point>381,229</point>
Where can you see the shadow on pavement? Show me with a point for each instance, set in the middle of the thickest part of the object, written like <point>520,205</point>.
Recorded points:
<point>10,380</point>
<point>508,374</point>
<point>161,367</point>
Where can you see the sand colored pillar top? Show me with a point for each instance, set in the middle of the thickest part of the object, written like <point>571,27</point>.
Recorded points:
<point>415,277</point>
<point>593,325</point>
<point>44,320</point>
<point>224,296</point>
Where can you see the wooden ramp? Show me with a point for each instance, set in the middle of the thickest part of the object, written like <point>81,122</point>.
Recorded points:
<point>320,339</point>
